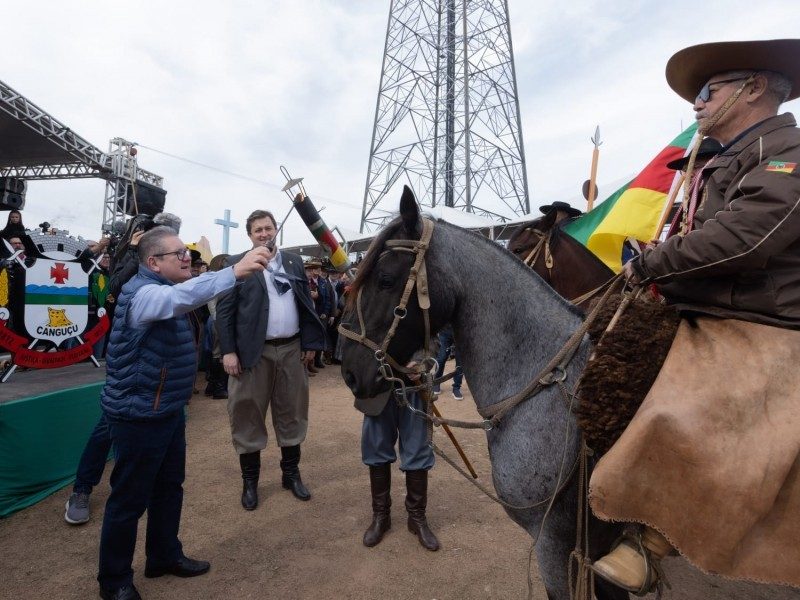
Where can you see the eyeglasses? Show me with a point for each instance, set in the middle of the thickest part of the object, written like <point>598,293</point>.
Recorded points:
<point>705,92</point>
<point>182,254</point>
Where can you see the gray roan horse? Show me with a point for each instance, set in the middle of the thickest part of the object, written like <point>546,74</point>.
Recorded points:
<point>508,324</point>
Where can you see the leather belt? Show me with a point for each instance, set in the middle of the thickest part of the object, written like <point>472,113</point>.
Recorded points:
<point>282,341</point>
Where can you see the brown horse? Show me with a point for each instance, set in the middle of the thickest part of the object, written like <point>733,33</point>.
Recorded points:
<point>564,263</point>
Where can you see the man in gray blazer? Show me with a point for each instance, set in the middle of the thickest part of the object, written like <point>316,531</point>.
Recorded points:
<point>268,331</point>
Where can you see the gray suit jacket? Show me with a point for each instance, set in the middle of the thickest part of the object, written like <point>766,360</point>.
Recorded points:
<point>242,313</point>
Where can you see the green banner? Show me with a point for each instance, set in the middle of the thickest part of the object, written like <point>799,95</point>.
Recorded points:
<point>41,441</point>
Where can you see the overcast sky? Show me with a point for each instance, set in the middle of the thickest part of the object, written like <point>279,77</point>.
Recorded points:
<point>250,85</point>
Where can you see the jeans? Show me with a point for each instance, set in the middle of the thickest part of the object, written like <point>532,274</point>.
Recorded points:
<point>380,434</point>
<point>148,474</point>
<point>446,342</point>
<point>94,457</point>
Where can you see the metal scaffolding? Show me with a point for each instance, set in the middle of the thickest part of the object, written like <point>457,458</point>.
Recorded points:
<point>447,118</point>
<point>38,146</point>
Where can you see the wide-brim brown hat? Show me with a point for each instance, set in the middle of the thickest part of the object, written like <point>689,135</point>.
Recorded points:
<point>689,69</point>
<point>312,263</point>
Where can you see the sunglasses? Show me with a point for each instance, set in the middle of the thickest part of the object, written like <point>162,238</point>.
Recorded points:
<point>706,92</point>
<point>181,254</point>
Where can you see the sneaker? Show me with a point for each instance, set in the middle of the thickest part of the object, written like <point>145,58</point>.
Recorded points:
<point>435,390</point>
<point>457,394</point>
<point>77,508</point>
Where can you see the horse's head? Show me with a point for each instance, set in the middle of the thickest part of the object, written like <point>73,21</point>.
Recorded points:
<point>526,238</point>
<point>383,318</point>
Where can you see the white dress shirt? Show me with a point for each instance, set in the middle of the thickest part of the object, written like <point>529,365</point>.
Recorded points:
<point>283,319</point>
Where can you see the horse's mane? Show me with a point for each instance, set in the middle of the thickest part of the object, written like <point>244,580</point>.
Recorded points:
<point>366,266</point>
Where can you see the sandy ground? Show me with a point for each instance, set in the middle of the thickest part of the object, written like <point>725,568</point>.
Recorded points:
<point>290,549</point>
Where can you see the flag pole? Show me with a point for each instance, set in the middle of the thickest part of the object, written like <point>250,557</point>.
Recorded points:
<point>665,215</point>
<point>593,177</point>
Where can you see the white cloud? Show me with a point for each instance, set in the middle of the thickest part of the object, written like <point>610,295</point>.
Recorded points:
<point>248,86</point>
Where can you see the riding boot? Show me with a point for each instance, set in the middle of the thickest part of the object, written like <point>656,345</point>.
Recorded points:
<point>635,562</point>
<point>220,387</point>
<point>318,360</point>
<point>251,467</point>
<point>290,459</point>
<point>380,483</point>
<point>416,502</point>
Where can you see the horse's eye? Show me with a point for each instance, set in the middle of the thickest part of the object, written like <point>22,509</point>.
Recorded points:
<point>385,281</point>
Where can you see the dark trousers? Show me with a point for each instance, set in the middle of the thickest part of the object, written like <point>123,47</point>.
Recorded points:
<point>149,469</point>
<point>94,457</point>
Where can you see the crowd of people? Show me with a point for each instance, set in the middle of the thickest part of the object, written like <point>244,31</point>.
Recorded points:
<point>172,312</point>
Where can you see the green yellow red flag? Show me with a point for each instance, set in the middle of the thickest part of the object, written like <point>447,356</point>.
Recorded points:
<point>634,210</point>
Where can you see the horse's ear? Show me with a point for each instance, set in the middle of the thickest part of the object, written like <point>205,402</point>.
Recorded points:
<point>409,211</point>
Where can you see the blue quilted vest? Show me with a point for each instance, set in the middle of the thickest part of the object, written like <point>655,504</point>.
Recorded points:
<point>150,371</point>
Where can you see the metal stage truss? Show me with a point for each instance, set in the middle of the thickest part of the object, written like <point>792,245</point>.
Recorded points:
<point>447,120</point>
<point>36,146</point>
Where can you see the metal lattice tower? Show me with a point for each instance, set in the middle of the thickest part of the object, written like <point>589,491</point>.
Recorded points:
<point>447,119</point>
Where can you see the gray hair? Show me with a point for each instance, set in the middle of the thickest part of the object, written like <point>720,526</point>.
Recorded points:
<point>779,86</point>
<point>152,242</point>
<point>169,220</point>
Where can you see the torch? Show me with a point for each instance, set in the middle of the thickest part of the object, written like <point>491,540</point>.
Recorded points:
<point>316,225</point>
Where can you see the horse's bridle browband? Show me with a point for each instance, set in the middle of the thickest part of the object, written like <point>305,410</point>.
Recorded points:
<point>417,277</point>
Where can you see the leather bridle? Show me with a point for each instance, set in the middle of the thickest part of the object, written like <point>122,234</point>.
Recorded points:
<point>417,278</point>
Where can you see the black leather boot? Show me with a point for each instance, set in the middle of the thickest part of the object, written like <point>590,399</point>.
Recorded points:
<point>380,483</point>
<point>416,502</point>
<point>251,468</point>
<point>290,459</point>
<point>219,391</point>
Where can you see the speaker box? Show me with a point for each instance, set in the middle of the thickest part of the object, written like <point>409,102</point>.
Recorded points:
<point>150,199</point>
<point>12,193</point>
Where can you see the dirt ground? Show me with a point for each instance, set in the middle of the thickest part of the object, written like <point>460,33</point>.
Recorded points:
<point>290,549</point>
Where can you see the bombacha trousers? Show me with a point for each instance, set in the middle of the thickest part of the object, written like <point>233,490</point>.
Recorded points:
<point>397,425</point>
<point>278,382</point>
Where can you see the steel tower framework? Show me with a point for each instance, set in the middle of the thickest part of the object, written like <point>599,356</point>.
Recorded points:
<point>447,119</point>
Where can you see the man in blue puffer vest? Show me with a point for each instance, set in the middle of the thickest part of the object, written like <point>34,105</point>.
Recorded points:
<point>151,367</point>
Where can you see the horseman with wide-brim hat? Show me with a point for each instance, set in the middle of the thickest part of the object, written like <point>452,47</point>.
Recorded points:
<point>738,256</point>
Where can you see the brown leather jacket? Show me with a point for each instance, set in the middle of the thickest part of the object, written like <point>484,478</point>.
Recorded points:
<point>742,258</point>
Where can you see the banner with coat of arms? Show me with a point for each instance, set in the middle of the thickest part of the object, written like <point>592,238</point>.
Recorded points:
<point>54,307</point>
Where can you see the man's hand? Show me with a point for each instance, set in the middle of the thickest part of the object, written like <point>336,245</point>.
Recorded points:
<point>413,377</point>
<point>629,273</point>
<point>230,362</point>
<point>307,357</point>
<point>254,261</point>
<point>136,237</point>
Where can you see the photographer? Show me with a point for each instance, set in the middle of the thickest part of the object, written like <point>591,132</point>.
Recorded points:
<point>126,261</point>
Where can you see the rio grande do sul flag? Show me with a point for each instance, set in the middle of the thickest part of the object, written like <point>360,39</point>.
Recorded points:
<point>634,210</point>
